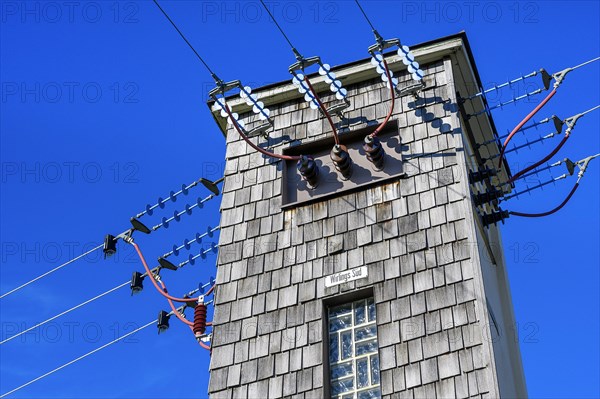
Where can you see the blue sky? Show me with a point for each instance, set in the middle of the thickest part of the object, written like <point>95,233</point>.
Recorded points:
<point>103,110</point>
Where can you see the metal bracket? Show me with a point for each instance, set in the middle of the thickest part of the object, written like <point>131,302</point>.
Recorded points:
<point>224,87</point>
<point>412,88</point>
<point>560,76</point>
<point>382,44</point>
<point>261,130</point>
<point>569,164</point>
<point>494,217</point>
<point>546,78</point>
<point>338,108</point>
<point>205,338</point>
<point>558,123</point>
<point>139,226</point>
<point>303,63</point>
<point>110,246</point>
<point>165,264</point>
<point>583,164</point>
<point>571,122</point>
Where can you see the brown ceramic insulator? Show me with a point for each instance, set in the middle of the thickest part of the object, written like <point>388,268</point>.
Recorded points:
<point>342,161</point>
<point>199,319</point>
<point>375,152</point>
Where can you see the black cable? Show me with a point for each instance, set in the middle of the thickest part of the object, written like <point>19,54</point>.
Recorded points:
<point>558,208</point>
<point>215,77</point>
<point>280,30</point>
<point>365,15</point>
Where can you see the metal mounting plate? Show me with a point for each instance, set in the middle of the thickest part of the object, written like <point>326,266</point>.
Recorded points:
<point>331,183</point>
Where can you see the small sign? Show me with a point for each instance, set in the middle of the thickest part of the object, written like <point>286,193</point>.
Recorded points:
<point>346,276</point>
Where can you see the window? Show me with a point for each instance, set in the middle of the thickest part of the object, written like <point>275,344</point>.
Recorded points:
<point>353,351</point>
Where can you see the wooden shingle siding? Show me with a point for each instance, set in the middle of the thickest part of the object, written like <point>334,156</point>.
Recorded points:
<point>412,234</point>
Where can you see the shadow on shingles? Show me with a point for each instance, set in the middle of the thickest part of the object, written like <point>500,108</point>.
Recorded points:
<point>345,123</point>
<point>397,144</point>
<point>423,101</point>
<point>419,106</point>
<point>426,154</point>
<point>274,142</point>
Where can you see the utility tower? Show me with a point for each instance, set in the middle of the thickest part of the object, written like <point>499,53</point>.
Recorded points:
<point>387,282</point>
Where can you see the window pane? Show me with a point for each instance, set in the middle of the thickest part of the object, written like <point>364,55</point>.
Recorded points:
<point>338,310</point>
<point>372,393</point>
<point>365,332</point>
<point>362,373</point>
<point>340,322</point>
<point>375,369</point>
<point>341,370</point>
<point>371,306</point>
<point>346,344</point>
<point>360,316</point>
<point>342,386</point>
<point>334,348</point>
<point>366,347</point>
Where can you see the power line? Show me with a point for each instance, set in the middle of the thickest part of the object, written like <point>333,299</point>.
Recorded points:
<point>215,77</point>
<point>51,271</point>
<point>78,359</point>
<point>65,312</point>
<point>585,63</point>
<point>281,30</point>
<point>365,15</point>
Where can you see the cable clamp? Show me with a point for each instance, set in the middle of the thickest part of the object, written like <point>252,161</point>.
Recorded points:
<point>206,338</point>
<point>128,239</point>
<point>261,130</point>
<point>583,164</point>
<point>303,63</point>
<point>338,109</point>
<point>560,76</point>
<point>571,122</point>
<point>382,44</point>
<point>223,87</point>
<point>410,89</point>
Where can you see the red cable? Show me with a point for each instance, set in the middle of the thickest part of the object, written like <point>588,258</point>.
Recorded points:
<point>251,144</point>
<point>389,115</point>
<point>174,309</point>
<point>202,344</point>
<point>149,272</point>
<point>316,96</point>
<point>524,121</point>
<point>537,215</point>
<point>535,165</point>
<point>170,298</point>
<point>210,290</point>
